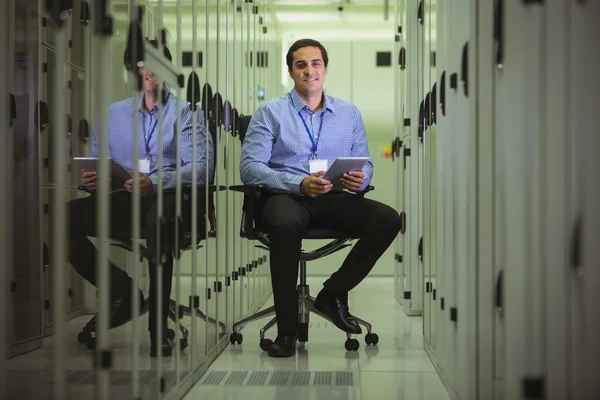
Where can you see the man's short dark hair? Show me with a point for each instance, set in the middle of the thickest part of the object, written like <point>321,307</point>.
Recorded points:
<point>305,43</point>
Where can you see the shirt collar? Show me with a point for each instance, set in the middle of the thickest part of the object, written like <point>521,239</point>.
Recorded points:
<point>141,106</point>
<point>299,103</point>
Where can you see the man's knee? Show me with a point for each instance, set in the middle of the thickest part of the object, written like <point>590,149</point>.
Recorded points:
<point>388,219</point>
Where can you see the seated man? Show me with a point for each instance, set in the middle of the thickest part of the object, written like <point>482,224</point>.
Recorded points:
<point>82,212</point>
<point>286,138</point>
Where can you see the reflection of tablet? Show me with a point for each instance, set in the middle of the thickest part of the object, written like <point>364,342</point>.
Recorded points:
<point>116,170</point>
<point>341,165</point>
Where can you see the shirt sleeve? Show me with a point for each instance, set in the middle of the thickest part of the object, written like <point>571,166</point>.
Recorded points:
<point>360,146</point>
<point>257,148</point>
<point>204,163</point>
<point>94,141</point>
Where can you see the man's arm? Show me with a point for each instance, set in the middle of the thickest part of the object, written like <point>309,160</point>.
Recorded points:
<point>256,153</point>
<point>94,145</point>
<point>360,146</point>
<point>203,164</point>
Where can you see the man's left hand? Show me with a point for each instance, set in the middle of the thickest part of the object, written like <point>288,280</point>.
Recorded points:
<point>353,180</point>
<point>146,186</point>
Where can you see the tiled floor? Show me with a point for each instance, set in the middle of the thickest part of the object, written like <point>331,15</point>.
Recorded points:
<point>398,368</point>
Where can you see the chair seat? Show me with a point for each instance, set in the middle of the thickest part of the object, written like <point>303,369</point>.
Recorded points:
<point>325,234</point>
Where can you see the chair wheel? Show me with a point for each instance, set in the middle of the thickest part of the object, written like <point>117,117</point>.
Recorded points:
<point>352,344</point>
<point>236,337</point>
<point>170,334</point>
<point>90,342</point>
<point>183,344</point>
<point>371,339</point>
<point>303,332</point>
<point>265,344</point>
<point>83,336</point>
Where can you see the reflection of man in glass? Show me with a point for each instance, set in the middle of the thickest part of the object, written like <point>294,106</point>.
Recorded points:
<point>121,118</point>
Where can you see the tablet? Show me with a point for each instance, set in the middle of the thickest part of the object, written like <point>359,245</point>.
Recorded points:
<point>341,165</point>
<point>116,169</point>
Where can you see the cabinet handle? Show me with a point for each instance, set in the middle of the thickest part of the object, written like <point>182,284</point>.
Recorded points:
<point>576,258</point>
<point>499,291</point>
<point>465,69</point>
<point>13,108</point>
<point>42,116</point>
<point>402,59</point>
<point>403,222</point>
<point>84,15</point>
<point>433,104</point>
<point>421,12</point>
<point>193,90</point>
<point>499,33</point>
<point>421,249</point>
<point>84,130</point>
<point>443,93</point>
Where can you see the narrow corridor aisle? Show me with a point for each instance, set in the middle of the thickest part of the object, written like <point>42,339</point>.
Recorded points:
<point>398,368</point>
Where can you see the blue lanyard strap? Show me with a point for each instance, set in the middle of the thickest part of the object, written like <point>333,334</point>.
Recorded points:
<point>150,137</point>
<point>312,139</point>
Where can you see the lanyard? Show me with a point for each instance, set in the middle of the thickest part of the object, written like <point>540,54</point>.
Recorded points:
<point>148,138</point>
<point>314,145</point>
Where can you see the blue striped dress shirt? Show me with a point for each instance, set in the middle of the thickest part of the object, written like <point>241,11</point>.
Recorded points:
<point>121,119</point>
<point>277,148</point>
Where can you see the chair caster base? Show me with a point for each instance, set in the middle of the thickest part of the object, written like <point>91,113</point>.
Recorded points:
<point>352,344</point>
<point>265,344</point>
<point>236,337</point>
<point>371,339</point>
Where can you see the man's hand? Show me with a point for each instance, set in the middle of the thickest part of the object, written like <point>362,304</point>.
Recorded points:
<point>146,187</point>
<point>89,180</point>
<point>313,186</point>
<point>353,180</point>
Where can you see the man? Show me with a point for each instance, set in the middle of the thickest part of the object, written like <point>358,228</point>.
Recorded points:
<point>286,138</point>
<point>121,119</point>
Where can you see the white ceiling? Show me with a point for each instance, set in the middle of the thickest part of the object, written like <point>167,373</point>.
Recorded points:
<point>359,20</point>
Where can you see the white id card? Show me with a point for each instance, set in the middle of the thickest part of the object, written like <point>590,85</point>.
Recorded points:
<point>318,165</point>
<point>144,166</point>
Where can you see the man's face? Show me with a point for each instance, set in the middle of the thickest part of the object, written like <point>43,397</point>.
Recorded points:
<point>150,84</point>
<point>308,70</point>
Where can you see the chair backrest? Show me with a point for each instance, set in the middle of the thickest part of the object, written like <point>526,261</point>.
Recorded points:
<point>244,123</point>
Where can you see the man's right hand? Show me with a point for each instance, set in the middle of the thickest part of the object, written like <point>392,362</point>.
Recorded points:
<point>89,180</point>
<point>313,186</point>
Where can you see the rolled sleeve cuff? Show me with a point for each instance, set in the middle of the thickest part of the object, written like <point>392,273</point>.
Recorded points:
<point>295,185</point>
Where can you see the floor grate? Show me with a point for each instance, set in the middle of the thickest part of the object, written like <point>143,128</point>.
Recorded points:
<point>279,378</point>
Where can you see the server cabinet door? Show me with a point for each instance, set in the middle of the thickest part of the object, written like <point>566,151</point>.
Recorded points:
<point>556,232</point>
<point>524,69</point>
<point>79,21</point>
<point>583,222</point>
<point>24,219</point>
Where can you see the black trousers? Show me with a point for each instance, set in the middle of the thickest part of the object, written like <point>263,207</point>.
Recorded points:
<point>82,253</point>
<point>287,217</point>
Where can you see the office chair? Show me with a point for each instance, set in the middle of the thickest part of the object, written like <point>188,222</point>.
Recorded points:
<point>212,108</point>
<point>252,229</point>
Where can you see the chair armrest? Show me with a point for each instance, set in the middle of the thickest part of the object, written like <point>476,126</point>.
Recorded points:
<point>368,189</point>
<point>248,189</point>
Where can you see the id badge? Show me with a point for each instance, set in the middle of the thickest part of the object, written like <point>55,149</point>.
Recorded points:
<point>144,166</point>
<point>318,165</point>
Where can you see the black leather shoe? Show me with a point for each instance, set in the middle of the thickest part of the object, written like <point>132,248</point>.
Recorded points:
<point>284,346</point>
<point>165,348</point>
<point>336,308</point>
